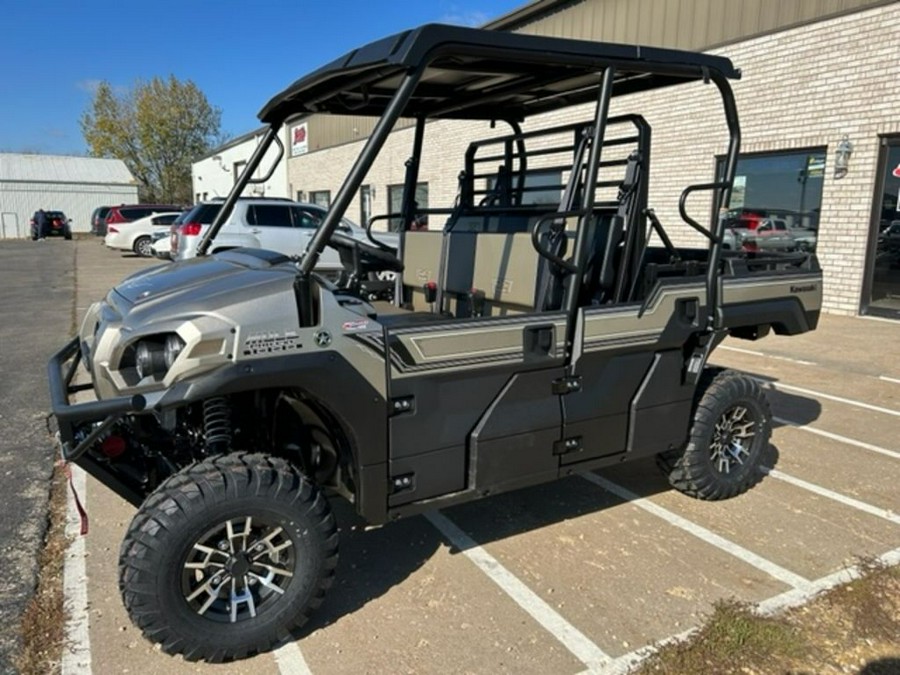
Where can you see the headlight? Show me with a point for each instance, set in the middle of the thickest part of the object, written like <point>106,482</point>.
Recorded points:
<point>174,345</point>
<point>150,359</point>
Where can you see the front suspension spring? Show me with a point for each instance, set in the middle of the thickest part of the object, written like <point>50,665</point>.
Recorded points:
<point>217,424</point>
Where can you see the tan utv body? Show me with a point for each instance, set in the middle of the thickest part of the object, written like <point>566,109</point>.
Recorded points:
<point>533,331</point>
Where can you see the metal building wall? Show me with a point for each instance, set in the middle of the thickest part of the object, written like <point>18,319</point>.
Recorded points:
<point>19,201</point>
<point>326,131</point>
<point>682,24</point>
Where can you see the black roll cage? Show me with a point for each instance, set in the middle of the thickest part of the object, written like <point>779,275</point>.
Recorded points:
<point>610,62</point>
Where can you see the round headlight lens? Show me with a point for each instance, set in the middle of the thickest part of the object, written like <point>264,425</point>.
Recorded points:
<point>149,359</point>
<point>174,345</point>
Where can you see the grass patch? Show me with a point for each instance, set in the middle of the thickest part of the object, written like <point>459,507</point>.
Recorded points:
<point>853,627</point>
<point>43,622</point>
<point>732,638</point>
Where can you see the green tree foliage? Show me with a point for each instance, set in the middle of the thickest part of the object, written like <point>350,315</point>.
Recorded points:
<point>157,128</point>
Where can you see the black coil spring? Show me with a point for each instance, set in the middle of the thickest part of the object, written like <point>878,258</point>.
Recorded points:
<point>217,422</point>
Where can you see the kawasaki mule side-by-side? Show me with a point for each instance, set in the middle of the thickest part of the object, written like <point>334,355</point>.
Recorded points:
<point>532,332</point>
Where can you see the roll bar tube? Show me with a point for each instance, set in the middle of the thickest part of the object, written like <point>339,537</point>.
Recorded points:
<point>411,179</point>
<point>590,185</point>
<point>270,136</point>
<point>358,172</point>
<point>722,196</point>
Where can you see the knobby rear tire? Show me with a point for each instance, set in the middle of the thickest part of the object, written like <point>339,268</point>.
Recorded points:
<point>721,459</point>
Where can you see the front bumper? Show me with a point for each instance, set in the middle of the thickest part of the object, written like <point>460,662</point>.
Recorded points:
<point>72,418</point>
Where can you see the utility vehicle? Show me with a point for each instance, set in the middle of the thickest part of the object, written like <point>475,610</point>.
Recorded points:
<point>536,334</point>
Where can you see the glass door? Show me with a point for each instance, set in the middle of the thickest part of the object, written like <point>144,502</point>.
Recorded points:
<point>882,291</point>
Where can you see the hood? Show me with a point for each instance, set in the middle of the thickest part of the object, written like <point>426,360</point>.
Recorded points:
<point>201,280</point>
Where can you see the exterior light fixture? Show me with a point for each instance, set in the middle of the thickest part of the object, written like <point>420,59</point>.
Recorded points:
<point>842,157</point>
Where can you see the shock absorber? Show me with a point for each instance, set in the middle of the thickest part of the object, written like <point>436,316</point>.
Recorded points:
<point>217,424</point>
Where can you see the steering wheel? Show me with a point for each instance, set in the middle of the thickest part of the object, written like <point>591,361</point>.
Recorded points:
<point>363,257</point>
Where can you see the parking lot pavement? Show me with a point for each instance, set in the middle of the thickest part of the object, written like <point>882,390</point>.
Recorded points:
<point>36,291</point>
<point>584,573</point>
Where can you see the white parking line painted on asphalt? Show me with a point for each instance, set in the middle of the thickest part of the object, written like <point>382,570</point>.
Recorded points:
<point>838,437</point>
<point>830,397</point>
<point>76,656</point>
<point>794,597</point>
<point>835,496</point>
<point>768,356</point>
<point>885,378</point>
<point>772,569</point>
<point>622,665</point>
<point>290,660</point>
<point>582,647</point>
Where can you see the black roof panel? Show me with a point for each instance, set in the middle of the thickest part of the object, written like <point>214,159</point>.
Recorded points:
<point>482,74</point>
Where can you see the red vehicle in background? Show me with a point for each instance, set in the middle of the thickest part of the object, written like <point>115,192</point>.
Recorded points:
<point>755,230</point>
<point>126,213</point>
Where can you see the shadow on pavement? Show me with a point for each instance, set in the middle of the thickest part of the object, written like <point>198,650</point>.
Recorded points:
<point>374,560</point>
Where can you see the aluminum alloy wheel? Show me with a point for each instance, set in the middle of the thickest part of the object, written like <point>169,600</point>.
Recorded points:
<point>732,439</point>
<point>144,247</point>
<point>238,569</point>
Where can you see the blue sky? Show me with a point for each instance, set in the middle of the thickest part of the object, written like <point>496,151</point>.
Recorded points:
<point>239,53</point>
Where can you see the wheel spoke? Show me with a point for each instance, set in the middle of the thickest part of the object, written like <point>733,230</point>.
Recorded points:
<point>207,587</point>
<point>274,570</point>
<point>242,597</point>
<point>267,583</point>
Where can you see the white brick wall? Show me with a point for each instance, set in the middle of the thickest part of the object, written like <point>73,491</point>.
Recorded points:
<point>805,87</point>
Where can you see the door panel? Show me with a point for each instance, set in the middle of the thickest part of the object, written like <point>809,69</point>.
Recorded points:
<point>630,362</point>
<point>463,389</point>
<point>272,226</point>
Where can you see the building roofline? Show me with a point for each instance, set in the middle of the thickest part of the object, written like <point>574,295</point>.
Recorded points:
<point>524,14</point>
<point>237,140</point>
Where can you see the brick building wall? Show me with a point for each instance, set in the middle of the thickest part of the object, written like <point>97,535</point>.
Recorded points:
<point>805,87</point>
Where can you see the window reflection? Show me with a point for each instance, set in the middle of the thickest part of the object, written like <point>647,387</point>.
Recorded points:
<point>776,201</point>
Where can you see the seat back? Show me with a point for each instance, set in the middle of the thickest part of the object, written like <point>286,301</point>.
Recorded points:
<point>505,271</point>
<point>421,255</point>
<point>490,265</point>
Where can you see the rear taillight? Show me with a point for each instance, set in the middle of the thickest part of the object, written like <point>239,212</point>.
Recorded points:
<point>113,230</point>
<point>190,229</point>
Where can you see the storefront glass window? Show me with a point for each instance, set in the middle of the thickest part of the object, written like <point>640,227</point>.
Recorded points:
<point>776,201</point>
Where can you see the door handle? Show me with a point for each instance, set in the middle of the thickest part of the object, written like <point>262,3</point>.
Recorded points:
<point>539,341</point>
<point>255,230</point>
<point>688,310</point>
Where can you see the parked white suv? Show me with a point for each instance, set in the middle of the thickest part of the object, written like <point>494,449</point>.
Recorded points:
<point>276,224</point>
